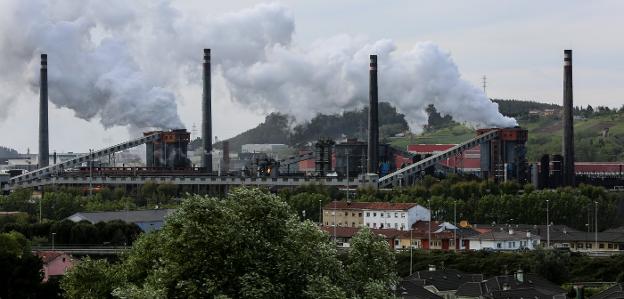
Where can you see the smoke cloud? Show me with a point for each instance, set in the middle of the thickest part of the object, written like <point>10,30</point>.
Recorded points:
<point>123,61</point>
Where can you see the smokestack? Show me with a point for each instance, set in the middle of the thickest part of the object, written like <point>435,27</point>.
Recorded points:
<point>44,153</point>
<point>568,128</point>
<point>207,116</point>
<point>373,122</point>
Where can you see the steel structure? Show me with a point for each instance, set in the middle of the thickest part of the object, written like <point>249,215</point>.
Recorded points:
<point>21,180</point>
<point>413,170</point>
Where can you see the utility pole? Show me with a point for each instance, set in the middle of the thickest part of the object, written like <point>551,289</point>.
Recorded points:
<point>90,173</point>
<point>320,212</point>
<point>484,82</point>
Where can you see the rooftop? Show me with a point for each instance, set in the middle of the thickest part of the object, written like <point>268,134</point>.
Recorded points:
<point>343,205</point>
<point>444,279</point>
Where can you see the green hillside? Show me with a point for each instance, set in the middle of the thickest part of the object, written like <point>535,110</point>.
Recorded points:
<point>545,134</point>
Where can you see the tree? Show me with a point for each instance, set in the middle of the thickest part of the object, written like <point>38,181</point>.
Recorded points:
<point>249,244</point>
<point>370,265</point>
<point>90,279</point>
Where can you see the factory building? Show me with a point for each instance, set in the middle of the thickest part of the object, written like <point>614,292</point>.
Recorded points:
<point>169,151</point>
<point>266,148</point>
<point>504,158</point>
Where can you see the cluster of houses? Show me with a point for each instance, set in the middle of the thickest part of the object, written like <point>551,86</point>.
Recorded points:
<point>409,224</point>
<point>453,284</point>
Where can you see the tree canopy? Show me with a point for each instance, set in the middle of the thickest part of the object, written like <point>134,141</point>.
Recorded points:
<point>248,245</point>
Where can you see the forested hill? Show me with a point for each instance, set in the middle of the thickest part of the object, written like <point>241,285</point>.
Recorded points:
<point>281,128</point>
<point>517,108</point>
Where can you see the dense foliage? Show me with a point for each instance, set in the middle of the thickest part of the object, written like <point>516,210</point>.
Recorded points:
<point>518,108</point>
<point>21,275</point>
<point>248,245</point>
<point>67,232</point>
<point>63,202</point>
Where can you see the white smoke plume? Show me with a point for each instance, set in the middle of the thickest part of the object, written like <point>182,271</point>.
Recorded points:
<point>122,61</point>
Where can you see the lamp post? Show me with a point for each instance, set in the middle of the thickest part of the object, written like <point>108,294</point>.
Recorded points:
<point>90,173</point>
<point>455,223</point>
<point>411,250</point>
<point>53,241</point>
<point>547,224</point>
<point>348,185</point>
<point>587,236</point>
<point>335,223</point>
<point>429,231</point>
<point>320,212</point>
<point>596,224</point>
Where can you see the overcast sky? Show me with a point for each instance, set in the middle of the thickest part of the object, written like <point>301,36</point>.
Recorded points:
<point>518,45</point>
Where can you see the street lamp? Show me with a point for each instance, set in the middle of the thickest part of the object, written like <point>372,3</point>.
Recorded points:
<point>53,241</point>
<point>411,250</point>
<point>547,224</point>
<point>455,223</point>
<point>320,212</point>
<point>430,219</point>
<point>596,226</point>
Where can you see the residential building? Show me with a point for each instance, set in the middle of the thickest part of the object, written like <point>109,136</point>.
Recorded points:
<point>344,235</point>
<point>376,215</point>
<point>504,239</point>
<point>443,282</point>
<point>616,291</point>
<point>408,289</point>
<point>518,285</point>
<point>55,263</point>
<point>147,220</point>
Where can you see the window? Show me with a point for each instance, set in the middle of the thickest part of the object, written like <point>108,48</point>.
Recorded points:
<point>396,242</point>
<point>367,224</point>
<point>588,245</point>
<point>610,246</point>
<point>402,215</point>
<point>381,214</point>
<point>374,214</point>
<point>353,224</point>
<point>367,214</point>
<point>499,245</point>
<point>326,223</point>
<point>579,245</point>
<point>375,224</point>
<point>396,225</point>
<point>353,214</point>
<point>360,214</point>
<point>601,245</point>
<point>396,215</point>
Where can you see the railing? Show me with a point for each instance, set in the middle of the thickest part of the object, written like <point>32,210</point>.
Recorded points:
<point>82,249</point>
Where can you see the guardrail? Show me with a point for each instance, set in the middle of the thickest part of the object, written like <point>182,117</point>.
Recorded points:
<point>82,249</point>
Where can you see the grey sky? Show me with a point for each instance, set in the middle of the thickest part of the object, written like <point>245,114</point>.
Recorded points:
<point>518,45</point>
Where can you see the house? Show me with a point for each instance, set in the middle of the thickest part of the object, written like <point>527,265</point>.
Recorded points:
<point>562,236</point>
<point>408,289</point>
<point>376,215</point>
<point>518,285</point>
<point>504,239</point>
<point>147,220</point>
<point>616,291</point>
<point>55,263</point>
<point>443,282</point>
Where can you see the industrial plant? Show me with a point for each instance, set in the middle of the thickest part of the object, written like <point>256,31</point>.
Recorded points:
<point>498,154</point>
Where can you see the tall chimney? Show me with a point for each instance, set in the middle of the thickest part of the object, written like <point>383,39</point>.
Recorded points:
<point>568,128</point>
<point>44,152</point>
<point>373,122</point>
<point>207,116</point>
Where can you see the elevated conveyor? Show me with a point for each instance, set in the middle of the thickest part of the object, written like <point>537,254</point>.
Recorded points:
<point>52,169</point>
<point>413,170</point>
